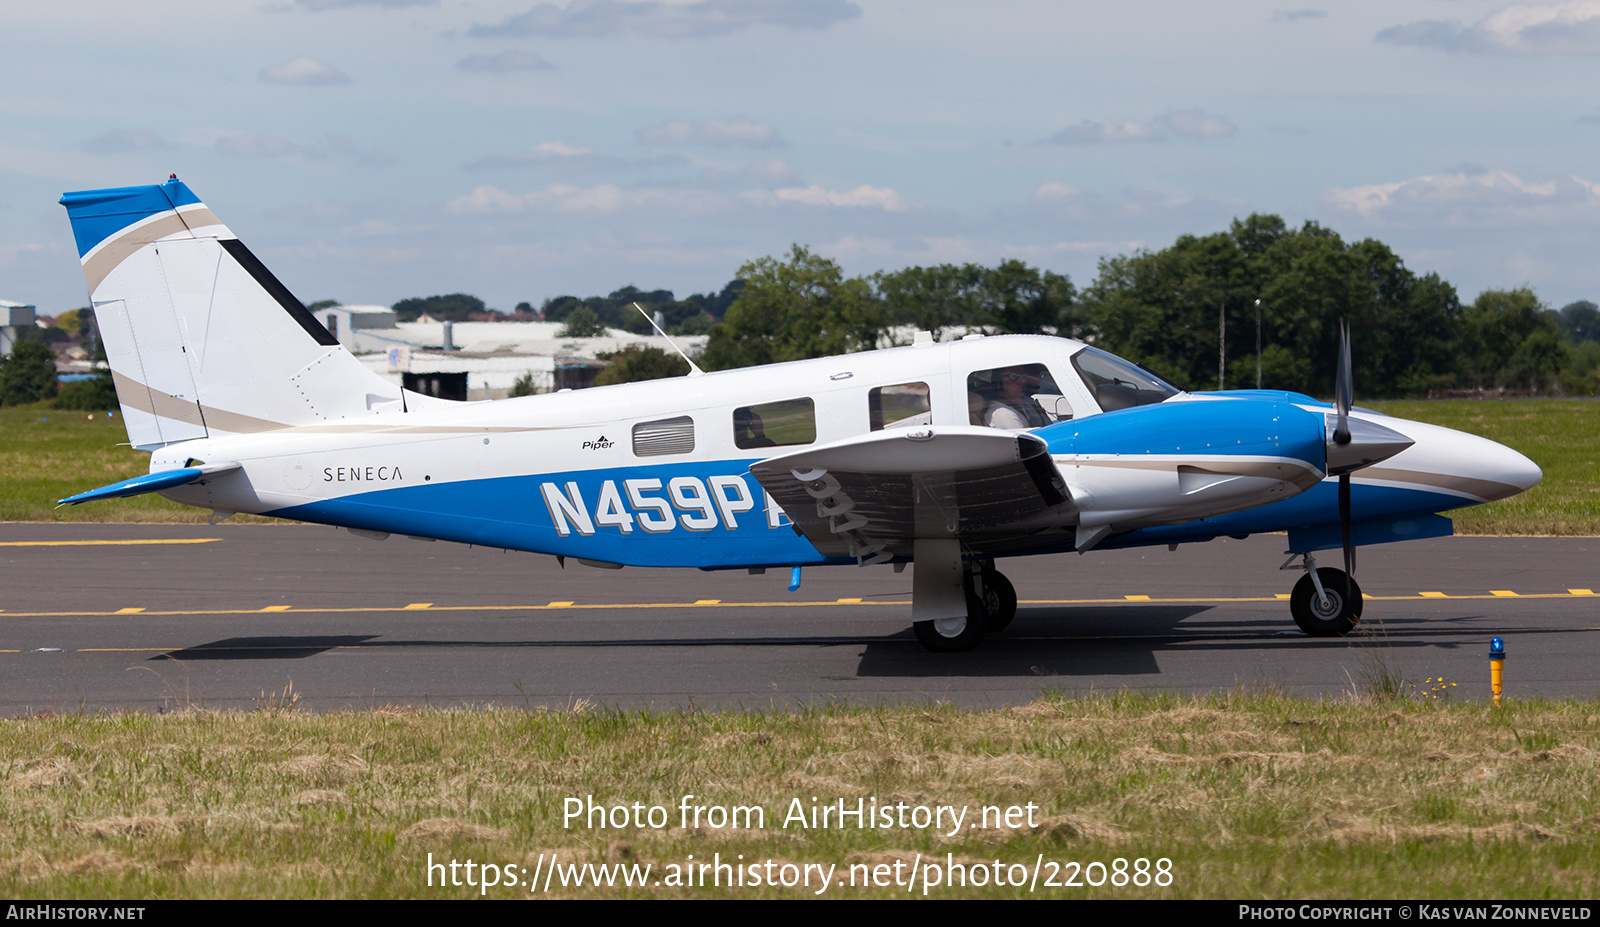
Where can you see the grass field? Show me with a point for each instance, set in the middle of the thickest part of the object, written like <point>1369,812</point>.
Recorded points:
<point>1253,795</point>
<point>48,454</point>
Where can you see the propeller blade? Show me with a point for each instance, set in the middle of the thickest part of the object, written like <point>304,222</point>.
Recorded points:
<point>1343,389</point>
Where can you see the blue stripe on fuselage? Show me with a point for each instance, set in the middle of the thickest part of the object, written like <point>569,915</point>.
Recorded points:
<point>1231,427</point>
<point>520,513</point>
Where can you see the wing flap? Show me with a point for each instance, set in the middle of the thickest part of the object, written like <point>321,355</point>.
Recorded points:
<point>870,497</point>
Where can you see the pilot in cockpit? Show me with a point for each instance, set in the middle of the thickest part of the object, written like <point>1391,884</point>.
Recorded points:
<point>1014,406</point>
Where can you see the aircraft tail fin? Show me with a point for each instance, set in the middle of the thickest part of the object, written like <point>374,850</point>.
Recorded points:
<point>202,339</point>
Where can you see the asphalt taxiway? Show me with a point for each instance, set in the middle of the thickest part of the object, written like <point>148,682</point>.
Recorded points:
<point>150,617</point>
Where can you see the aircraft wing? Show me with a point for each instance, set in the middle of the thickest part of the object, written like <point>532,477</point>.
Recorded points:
<point>869,497</point>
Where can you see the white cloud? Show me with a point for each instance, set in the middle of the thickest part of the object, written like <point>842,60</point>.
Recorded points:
<point>601,199</point>
<point>1289,16</point>
<point>1193,123</point>
<point>722,133</point>
<point>862,196</point>
<point>560,155</point>
<point>118,141</point>
<point>769,171</point>
<point>603,18</point>
<point>303,70</point>
<point>1523,29</point>
<point>1471,198</point>
<point>317,6</point>
<point>504,63</point>
<point>1184,123</point>
<point>262,145</point>
<point>1106,133</point>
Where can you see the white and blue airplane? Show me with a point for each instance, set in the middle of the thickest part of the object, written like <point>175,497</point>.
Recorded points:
<point>950,456</point>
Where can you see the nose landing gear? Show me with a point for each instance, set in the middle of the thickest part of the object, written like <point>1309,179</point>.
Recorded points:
<point>1326,602</point>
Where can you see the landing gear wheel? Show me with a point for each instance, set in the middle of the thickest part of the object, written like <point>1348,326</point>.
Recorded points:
<point>1332,618</point>
<point>999,599</point>
<point>954,635</point>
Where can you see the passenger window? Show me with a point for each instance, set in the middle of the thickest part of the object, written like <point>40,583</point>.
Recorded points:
<point>900,406</point>
<point>664,436</point>
<point>1016,397</point>
<point>775,424</point>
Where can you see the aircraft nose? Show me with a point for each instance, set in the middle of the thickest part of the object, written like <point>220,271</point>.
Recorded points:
<point>1498,471</point>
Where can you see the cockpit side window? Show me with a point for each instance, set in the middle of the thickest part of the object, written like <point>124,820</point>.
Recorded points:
<point>1016,397</point>
<point>1118,384</point>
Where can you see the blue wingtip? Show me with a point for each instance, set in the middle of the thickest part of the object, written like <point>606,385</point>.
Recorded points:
<point>139,485</point>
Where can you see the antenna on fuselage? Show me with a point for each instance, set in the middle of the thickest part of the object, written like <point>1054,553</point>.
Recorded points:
<point>694,368</point>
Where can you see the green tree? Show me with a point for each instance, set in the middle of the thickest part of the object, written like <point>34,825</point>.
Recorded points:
<point>89,395</point>
<point>1165,309</point>
<point>1580,320</point>
<point>798,308</point>
<point>638,362</point>
<point>28,375</point>
<point>1509,339</point>
<point>523,385</point>
<point>583,323</point>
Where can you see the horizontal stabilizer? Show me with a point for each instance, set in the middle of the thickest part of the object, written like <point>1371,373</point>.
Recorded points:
<point>150,482</point>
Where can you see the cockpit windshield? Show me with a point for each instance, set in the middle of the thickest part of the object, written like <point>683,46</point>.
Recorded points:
<point>1117,384</point>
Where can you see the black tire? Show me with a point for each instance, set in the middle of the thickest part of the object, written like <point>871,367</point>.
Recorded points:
<point>999,599</point>
<point>954,635</point>
<point>1338,618</point>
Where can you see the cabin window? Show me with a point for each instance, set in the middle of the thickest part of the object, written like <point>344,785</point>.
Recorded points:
<point>775,424</point>
<point>900,406</point>
<point>1016,397</point>
<point>664,436</point>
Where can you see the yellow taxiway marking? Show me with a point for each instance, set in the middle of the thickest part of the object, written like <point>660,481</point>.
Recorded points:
<point>849,602</point>
<point>1504,593</point>
<point>1433,595</point>
<point>276,608</point>
<point>708,601</point>
<point>1581,591</point>
<point>1137,598</point>
<point>621,606</point>
<point>1283,597</point>
<point>100,543</point>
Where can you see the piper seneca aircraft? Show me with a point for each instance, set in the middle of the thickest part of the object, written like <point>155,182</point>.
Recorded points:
<point>951,456</point>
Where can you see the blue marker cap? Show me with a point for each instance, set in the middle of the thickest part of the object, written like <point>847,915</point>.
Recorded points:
<point>1497,649</point>
<point>794,580</point>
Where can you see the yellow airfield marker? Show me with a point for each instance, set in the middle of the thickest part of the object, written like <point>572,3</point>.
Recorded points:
<point>1502,592</point>
<point>107,543</point>
<point>276,608</point>
<point>708,601</point>
<point>1137,598</point>
<point>558,605</point>
<point>127,611</point>
<point>1433,595</point>
<point>849,602</point>
<point>1580,591</point>
<point>415,606</point>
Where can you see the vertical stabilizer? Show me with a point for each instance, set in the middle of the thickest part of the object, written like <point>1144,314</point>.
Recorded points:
<point>202,339</point>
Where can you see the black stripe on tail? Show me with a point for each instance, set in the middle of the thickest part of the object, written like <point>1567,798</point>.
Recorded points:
<point>294,307</point>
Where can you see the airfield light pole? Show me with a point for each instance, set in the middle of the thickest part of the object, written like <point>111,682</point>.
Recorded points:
<point>1258,344</point>
<point>1222,343</point>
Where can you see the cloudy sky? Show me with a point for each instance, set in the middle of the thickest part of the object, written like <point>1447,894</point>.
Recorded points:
<point>371,150</point>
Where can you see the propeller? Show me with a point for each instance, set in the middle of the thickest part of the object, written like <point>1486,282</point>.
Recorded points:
<point>1355,443</point>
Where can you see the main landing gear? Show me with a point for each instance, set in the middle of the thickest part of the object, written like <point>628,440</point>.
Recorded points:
<point>991,604</point>
<point>1326,602</point>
